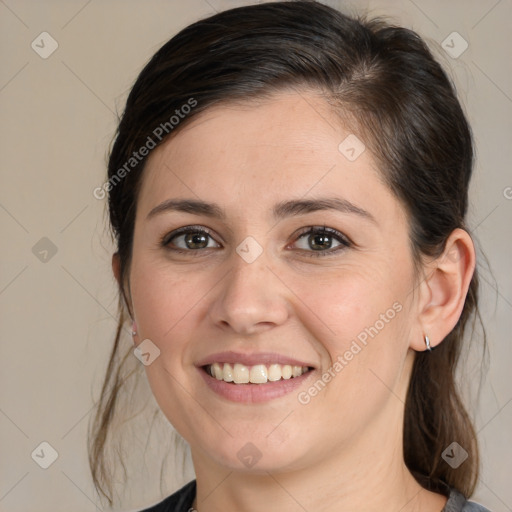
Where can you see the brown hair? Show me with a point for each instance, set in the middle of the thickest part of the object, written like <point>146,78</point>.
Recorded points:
<point>385,80</point>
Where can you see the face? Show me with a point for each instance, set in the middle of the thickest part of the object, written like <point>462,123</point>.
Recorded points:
<point>289,252</point>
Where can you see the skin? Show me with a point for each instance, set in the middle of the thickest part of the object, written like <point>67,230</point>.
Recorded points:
<point>343,449</point>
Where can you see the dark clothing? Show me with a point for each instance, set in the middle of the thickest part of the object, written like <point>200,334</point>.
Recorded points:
<point>181,501</point>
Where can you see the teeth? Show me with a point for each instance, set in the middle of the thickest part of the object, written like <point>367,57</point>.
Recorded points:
<point>218,372</point>
<point>274,372</point>
<point>257,374</point>
<point>240,374</point>
<point>296,371</point>
<point>227,373</point>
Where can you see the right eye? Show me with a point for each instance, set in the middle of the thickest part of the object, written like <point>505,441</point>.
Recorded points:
<point>189,239</point>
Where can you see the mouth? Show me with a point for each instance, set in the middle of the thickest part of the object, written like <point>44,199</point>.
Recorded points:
<point>253,378</point>
<point>239,374</point>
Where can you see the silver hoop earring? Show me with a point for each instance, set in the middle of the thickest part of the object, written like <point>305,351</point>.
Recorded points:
<point>427,342</point>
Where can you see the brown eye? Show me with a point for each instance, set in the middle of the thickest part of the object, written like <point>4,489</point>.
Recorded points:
<point>318,241</point>
<point>195,240</point>
<point>189,239</point>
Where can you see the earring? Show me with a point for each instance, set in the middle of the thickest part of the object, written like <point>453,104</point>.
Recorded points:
<point>134,329</point>
<point>427,343</point>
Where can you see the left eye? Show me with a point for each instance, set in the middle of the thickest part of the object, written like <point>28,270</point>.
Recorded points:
<point>319,241</point>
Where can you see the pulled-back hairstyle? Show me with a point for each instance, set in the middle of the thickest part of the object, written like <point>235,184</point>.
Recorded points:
<point>390,91</point>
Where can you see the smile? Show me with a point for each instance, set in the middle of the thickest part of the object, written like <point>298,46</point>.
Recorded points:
<point>238,373</point>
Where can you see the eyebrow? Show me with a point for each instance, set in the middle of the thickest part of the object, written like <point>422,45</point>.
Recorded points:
<point>280,211</point>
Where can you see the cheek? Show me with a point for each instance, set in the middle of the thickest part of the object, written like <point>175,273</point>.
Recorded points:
<point>355,305</point>
<point>362,334</point>
<point>166,306</point>
<point>161,298</point>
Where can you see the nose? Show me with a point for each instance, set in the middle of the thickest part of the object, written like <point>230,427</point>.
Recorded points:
<point>250,298</point>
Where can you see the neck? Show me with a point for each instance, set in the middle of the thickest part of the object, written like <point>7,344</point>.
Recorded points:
<point>375,480</point>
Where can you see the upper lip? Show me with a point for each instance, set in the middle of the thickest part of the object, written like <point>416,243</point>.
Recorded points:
<point>265,358</point>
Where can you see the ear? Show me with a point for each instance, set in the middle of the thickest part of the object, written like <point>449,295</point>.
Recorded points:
<point>443,292</point>
<point>116,269</point>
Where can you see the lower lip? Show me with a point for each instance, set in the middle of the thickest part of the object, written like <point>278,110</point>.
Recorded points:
<point>254,393</point>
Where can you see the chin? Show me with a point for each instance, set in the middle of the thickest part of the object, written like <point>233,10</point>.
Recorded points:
<point>256,455</point>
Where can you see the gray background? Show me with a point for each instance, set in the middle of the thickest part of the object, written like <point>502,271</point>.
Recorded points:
<point>57,309</point>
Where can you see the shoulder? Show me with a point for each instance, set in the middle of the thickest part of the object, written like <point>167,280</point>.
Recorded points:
<point>458,503</point>
<point>470,506</point>
<point>180,501</point>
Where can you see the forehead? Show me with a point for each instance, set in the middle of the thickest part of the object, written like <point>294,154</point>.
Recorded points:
<point>285,124</point>
<point>282,147</point>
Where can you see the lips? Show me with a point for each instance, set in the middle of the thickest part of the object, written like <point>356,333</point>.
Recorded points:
<point>254,392</point>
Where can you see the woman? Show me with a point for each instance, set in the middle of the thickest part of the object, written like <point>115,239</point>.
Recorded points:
<point>288,189</point>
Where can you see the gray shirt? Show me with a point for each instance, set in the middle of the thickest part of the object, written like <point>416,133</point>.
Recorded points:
<point>457,503</point>
<point>181,501</point>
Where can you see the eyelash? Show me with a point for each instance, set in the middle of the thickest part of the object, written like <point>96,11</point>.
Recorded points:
<point>345,243</point>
